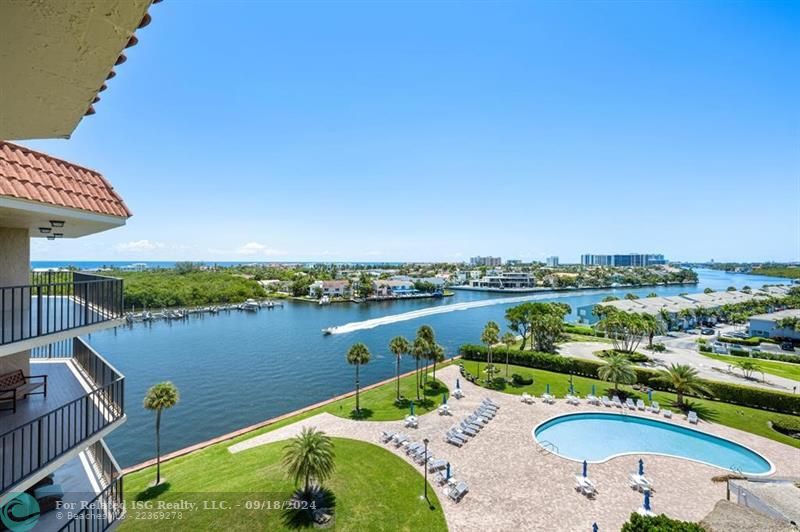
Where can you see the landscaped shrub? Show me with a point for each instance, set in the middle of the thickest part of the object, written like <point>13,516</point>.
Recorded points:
<point>633,357</point>
<point>658,523</point>
<point>752,341</point>
<point>739,352</point>
<point>729,393</point>
<point>787,425</point>
<point>519,380</point>
<point>704,348</point>
<point>657,347</point>
<point>792,359</point>
<point>582,329</point>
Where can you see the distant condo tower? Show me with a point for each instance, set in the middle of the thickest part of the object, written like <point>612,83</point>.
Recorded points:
<point>486,261</point>
<point>552,262</point>
<point>627,260</point>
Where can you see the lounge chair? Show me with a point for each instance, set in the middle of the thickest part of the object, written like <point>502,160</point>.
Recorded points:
<point>489,401</point>
<point>630,404</point>
<point>423,457</point>
<point>486,414</point>
<point>655,407</point>
<point>453,439</point>
<point>549,399</point>
<point>467,430</point>
<point>639,482</point>
<point>573,400</point>
<point>615,400</point>
<point>593,400</point>
<point>476,420</point>
<point>489,404</point>
<point>458,491</point>
<point>458,393</point>
<point>668,414</point>
<point>411,422</point>
<point>467,425</point>
<point>639,404</point>
<point>400,439</point>
<point>414,448</point>
<point>526,398</point>
<point>436,465</point>
<point>692,417</point>
<point>444,410</point>
<point>585,486</point>
<point>606,402</point>
<point>441,477</point>
<point>387,436</point>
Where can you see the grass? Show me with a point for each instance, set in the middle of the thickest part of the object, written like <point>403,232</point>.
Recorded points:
<point>739,417</point>
<point>575,337</point>
<point>378,404</point>
<point>363,498</point>
<point>786,370</point>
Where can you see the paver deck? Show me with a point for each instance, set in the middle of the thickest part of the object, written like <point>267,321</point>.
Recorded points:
<point>515,485</point>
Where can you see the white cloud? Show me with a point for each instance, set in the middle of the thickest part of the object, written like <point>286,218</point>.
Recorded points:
<point>256,248</point>
<point>140,245</point>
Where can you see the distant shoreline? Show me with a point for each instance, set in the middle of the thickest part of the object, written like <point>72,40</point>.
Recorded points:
<point>543,289</point>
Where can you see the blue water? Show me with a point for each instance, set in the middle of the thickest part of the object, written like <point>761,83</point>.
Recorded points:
<point>238,369</point>
<point>167,264</point>
<point>595,437</point>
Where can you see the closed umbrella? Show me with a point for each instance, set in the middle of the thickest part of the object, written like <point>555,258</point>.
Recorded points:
<point>412,408</point>
<point>448,471</point>
<point>547,388</point>
<point>650,395</point>
<point>444,398</point>
<point>585,468</point>
<point>595,528</point>
<point>647,500</point>
<point>571,388</point>
<point>593,394</point>
<point>458,384</point>
<point>641,467</point>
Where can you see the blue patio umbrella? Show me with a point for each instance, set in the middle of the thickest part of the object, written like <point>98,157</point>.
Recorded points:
<point>647,500</point>
<point>650,395</point>
<point>458,383</point>
<point>585,468</point>
<point>641,467</point>
<point>412,408</point>
<point>448,471</point>
<point>595,528</point>
<point>547,387</point>
<point>444,398</point>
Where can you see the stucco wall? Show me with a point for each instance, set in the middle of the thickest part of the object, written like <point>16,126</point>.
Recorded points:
<point>14,271</point>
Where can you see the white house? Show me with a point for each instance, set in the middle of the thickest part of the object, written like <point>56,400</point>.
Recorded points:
<point>336,288</point>
<point>393,287</point>
<point>765,325</point>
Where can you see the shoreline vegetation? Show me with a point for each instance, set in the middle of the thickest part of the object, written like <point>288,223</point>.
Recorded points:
<point>787,271</point>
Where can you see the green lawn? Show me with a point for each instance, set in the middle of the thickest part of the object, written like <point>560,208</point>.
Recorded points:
<point>373,490</point>
<point>379,404</point>
<point>773,367</point>
<point>738,417</point>
<point>575,337</point>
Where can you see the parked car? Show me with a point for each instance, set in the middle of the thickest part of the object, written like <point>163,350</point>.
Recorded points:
<point>787,346</point>
<point>738,335</point>
<point>708,331</point>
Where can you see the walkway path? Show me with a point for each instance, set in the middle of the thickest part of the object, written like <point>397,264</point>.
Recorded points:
<point>514,485</point>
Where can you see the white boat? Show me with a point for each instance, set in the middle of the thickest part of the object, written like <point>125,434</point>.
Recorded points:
<point>324,300</point>
<point>251,305</point>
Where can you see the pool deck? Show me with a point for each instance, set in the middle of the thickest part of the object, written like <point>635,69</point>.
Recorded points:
<point>514,485</point>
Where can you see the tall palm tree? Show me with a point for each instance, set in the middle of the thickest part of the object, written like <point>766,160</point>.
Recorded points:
<point>309,455</point>
<point>399,346</point>
<point>158,398</point>
<point>490,336</point>
<point>509,340</point>
<point>437,355</point>
<point>682,378</point>
<point>617,369</point>
<point>419,350</point>
<point>426,333</point>
<point>357,355</point>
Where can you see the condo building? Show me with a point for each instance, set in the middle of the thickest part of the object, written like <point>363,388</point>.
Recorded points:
<point>490,262</point>
<point>625,260</point>
<point>59,398</point>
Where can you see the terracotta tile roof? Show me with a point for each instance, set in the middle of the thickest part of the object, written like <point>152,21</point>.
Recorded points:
<point>30,175</point>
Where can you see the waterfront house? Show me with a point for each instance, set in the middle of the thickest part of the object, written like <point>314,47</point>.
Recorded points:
<point>334,288</point>
<point>505,281</point>
<point>393,287</point>
<point>766,326</point>
<point>59,398</point>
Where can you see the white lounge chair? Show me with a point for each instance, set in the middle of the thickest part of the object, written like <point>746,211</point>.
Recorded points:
<point>400,439</point>
<point>639,404</point>
<point>414,448</point>
<point>593,400</point>
<point>692,417</point>
<point>615,400</point>
<point>466,429</point>
<point>573,399</point>
<point>489,402</point>
<point>549,399</point>
<point>412,422</point>
<point>444,410</point>
<point>668,414</point>
<point>387,436</point>
<point>585,486</point>
<point>423,457</point>
<point>458,491</point>
<point>655,407</point>
<point>458,393</point>
<point>441,477</point>
<point>526,398</point>
<point>466,424</point>
<point>436,465</point>
<point>630,404</point>
<point>606,402</point>
<point>639,482</point>
<point>485,413</point>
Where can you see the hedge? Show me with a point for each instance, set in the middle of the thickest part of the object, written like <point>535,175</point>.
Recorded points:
<point>658,523</point>
<point>787,425</point>
<point>583,329</point>
<point>792,359</point>
<point>726,392</point>
<point>752,341</point>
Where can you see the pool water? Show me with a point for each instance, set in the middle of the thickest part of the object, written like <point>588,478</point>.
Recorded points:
<point>596,437</point>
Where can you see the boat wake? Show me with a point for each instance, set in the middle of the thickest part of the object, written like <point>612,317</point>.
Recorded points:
<point>441,309</point>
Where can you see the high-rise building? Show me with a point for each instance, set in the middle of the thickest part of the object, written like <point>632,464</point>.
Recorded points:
<point>624,260</point>
<point>486,261</point>
<point>552,262</point>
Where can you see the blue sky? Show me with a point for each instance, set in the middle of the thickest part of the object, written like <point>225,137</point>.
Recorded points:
<point>440,130</point>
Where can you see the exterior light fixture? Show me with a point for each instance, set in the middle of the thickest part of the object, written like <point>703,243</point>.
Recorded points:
<point>57,223</point>
<point>44,230</point>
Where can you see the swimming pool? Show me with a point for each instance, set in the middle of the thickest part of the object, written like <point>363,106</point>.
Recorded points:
<point>597,437</point>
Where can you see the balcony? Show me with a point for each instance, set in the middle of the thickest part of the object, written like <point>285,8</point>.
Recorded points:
<point>85,401</point>
<point>57,305</point>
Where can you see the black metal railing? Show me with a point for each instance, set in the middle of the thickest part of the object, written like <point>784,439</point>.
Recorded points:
<point>27,448</point>
<point>56,302</point>
<point>101,512</point>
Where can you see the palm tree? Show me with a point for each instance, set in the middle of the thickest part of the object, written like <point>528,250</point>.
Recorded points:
<point>309,455</point>
<point>437,355</point>
<point>358,354</point>
<point>426,333</point>
<point>683,379</point>
<point>617,369</point>
<point>490,336</point>
<point>399,346</point>
<point>160,397</point>
<point>419,350</point>
<point>651,327</point>
<point>509,340</point>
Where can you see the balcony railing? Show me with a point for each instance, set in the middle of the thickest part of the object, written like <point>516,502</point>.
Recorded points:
<point>108,506</point>
<point>56,302</point>
<point>30,446</point>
